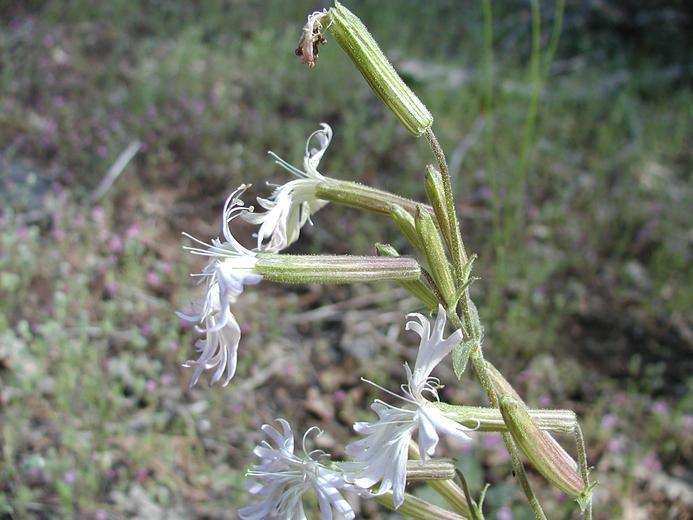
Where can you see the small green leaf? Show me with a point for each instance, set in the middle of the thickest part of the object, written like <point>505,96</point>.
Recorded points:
<point>586,496</point>
<point>467,268</point>
<point>477,329</point>
<point>463,288</point>
<point>480,503</point>
<point>460,357</point>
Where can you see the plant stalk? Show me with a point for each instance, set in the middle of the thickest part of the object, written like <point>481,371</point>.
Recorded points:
<point>417,508</point>
<point>476,355</point>
<point>458,253</point>
<point>447,489</point>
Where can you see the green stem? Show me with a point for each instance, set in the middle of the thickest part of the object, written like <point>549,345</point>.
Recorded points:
<point>416,508</point>
<point>479,365</point>
<point>458,253</point>
<point>486,419</point>
<point>582,466</point>
<point>487,103</point>
<point>447,489</point>
<point>555,37</point>
<point>514,217</point>
<point>360,196</point>
<point>476,355</point>
<point>521,475</point>
<point>467,493</point>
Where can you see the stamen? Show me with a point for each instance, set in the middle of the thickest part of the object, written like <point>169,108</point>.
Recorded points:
<point>284,473</point>
<point>195,239</point>
<point>291,169</point>
<point>305,435</point>
<point>388,392</point>
<point>210,250</point>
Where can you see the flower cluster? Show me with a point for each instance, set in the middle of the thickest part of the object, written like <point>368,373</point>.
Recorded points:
<point>378,465</point>
<point>232,266</point>
<point>292,204</point>
<point>381,456</point>
<point>283,477</point>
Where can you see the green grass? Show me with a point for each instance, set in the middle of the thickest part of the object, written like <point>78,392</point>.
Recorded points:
<point>586,306</point>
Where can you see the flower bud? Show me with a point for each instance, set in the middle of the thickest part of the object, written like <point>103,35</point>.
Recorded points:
<point>405,223</point>
<point>416,287</point>
<point>503,388</point>
<point>435,253</point>
<point>433,183</point>
<point>501,385</point>
<point>556,465</point>
<point>334,269</point>
<point>353,37</point>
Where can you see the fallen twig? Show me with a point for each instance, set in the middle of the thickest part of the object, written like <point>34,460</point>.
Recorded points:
<point>115,170</point>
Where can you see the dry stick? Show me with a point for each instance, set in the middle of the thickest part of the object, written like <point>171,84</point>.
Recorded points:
<point>115,170</point>
<point>477,357</point>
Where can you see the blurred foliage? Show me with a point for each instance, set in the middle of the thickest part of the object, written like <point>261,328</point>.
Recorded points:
<point>586,301</point>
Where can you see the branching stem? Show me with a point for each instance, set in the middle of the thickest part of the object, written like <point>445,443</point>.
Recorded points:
<point>459,257</point>
<point>458,253</point>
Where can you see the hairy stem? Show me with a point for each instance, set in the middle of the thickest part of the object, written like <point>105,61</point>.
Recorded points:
<point>459,260</point>
<point>458,253</point>
<point>582,466</point>
<point>416,508</point>
<point>487,419</point>
<point>479,365</point>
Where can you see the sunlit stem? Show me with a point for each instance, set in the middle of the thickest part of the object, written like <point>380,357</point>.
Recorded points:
<point>582,466</point>
<point>459,260</point>
<point>486,419</point>
<point>416,508</point>
<point>459,256</point>
<point>360,196</point>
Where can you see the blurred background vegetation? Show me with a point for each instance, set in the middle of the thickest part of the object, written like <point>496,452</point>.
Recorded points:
<point>571,162</point>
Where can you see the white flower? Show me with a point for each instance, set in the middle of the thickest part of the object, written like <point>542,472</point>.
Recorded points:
<point>292,204</point>
<point>229,269</point>
<point>381,456</point>
<point>282,478</point>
